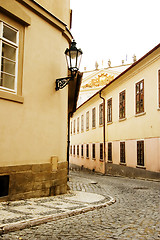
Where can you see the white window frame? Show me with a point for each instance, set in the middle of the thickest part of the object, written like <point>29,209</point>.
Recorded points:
<point>12,44</point>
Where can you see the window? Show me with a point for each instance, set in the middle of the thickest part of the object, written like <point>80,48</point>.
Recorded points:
<point>140,97</point>
<point>140,153</point>
<point>82,153</point>
<point>8,57</point>
<point>87,151</point>
<point>101,151</point>
<point>74,150</point>
<point>109,110</point>
<point>159,88</point>
<point>110,152</point>
<point>78,125</point>
<point>122,152</point>
<point>87,120</point>
<point>93,151</point>
<point>101,114</point>
<point>122,105</point>
<point>77,150</point>
<point>74,126</point>
<point>94,117</point>
<point>82,123</point>
<point>71,149</point>
<point>71,127</point>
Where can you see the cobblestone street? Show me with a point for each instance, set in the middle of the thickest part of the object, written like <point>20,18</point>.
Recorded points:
<point>134,215</point>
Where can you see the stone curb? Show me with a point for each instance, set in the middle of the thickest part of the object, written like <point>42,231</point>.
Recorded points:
<point>37,221</point>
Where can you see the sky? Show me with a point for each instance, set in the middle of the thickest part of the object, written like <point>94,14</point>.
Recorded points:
<point>115,30</point>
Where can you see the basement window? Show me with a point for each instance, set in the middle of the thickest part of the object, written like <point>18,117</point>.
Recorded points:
<point>4,185</point>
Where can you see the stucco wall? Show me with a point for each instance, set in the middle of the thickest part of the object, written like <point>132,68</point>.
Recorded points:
<point>34,131</point>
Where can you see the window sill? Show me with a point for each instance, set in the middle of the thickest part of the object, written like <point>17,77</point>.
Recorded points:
<point>101,125</point>
<point>93,127</point>
<point>109,161</point>
<point>109,123</point>
<point>122,119</point>
<point>101,160</point>
<point>140,114</point>
<point>142,167</point>
<point>124,164</point>
<point>11,97</point>
<point>158,109</point>
<point>93,159</point>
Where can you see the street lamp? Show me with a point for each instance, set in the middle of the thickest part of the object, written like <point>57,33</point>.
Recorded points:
<point>73,57</point>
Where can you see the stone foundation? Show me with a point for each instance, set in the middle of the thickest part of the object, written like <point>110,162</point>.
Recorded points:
<point>124,171</point>
<point>37,180</point>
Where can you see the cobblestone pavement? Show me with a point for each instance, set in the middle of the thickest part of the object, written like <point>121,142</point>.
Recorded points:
<point>135,215</point>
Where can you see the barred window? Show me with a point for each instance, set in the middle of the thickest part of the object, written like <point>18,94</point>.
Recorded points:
<point>122,105</point>
<point>74,126</point>
<point>82,123</point>
<point>101,151</point>
<point>101,114</point>
<point>109,110</point>
<point>122,152</point>
<point>110,152</point>
<point>82,153</point>
<point>78,125</point>
<point>71,149</point>
<point>87,151</point>
<point>74,151</point>
<point>140,97</point>
<point>140,153</point>
<point>93,151</point>
<point>77,150</point>
<point>87,120</point>
<point>94,117</point>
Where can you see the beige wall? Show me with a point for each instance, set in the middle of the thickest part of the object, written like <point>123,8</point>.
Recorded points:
<point>59,8</point>
<point>134,127</point>
<point>34,131</point>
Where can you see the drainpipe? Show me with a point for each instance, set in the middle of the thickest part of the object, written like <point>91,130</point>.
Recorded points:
<point>104,131</point>
<point>68,144</point>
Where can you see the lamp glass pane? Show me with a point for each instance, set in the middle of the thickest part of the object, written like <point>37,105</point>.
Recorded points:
<point>73,59</point>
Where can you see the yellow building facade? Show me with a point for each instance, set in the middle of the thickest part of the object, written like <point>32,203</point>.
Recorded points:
<point>117,130</point>
<point>33,128</point>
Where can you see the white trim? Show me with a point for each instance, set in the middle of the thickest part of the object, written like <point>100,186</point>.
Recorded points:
<point>13,45</point>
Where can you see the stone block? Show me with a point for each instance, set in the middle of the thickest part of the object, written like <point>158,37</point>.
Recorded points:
<point>46,167</point>
<point>62,165</point>
<point>54,163</point>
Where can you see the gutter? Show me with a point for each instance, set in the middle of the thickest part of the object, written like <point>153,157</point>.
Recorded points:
<point>104,132</point>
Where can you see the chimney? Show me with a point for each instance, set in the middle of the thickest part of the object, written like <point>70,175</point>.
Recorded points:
<point>96,65</point>
<point>109,63</point>
<point>134,58</point>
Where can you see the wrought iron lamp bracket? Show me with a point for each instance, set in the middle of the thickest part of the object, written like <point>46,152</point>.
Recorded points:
<point>62,82</point>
